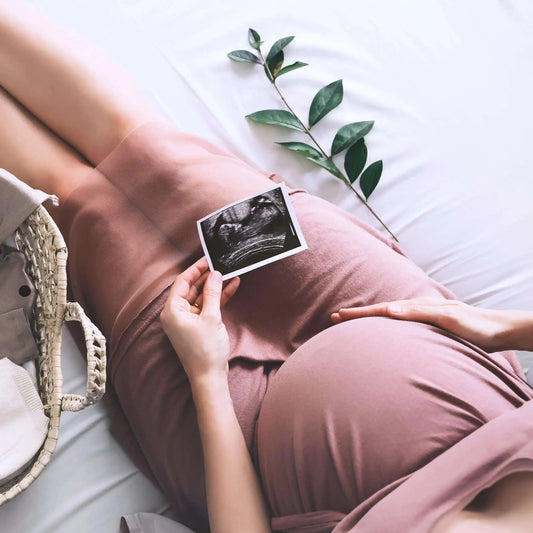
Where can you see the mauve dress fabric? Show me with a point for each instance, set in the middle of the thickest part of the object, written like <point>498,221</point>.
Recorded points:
<point>338,419</point>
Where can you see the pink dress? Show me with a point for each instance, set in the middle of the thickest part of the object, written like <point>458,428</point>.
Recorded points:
<point>364,426</point>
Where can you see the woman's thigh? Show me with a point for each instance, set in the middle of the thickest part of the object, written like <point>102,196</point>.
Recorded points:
<point>368,402</point>
<point>34,154</point>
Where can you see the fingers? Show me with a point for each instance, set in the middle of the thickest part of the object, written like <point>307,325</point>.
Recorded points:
<point>229,290</point>
<point>185,289</point>
<point>212,295</point>
<point>191,286</point>
<point>443,313</point>
<point>195,291</point>
<point>216,294</point>
<point>420,309</point>
<point>381,309</point>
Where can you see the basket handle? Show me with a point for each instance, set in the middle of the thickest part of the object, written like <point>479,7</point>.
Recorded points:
<point>96,361</point>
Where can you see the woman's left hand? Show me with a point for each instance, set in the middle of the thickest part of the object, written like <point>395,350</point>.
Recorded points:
<point>489,329</point>
<point>192,320</point>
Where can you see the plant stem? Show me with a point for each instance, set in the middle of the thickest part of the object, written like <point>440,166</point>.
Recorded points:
<point>321,150</point>
<point>368,206</point>
<point>307,130</point>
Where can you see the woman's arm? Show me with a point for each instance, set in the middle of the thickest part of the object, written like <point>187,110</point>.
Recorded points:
<point>234,497</point>
<point>491,330</point>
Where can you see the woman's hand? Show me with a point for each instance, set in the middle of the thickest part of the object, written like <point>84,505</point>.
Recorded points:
<point>488,329</point>
<point>192,320</point>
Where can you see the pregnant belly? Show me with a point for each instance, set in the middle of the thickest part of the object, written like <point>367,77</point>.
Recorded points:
<point>366,403</point>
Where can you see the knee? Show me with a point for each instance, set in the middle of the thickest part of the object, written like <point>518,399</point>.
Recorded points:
<point>61,180</point>
<point>118,124</point>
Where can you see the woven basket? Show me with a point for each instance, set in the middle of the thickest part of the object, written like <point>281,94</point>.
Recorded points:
<point>46,253</point>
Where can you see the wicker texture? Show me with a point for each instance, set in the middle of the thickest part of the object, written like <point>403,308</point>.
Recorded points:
<point>46,253</point>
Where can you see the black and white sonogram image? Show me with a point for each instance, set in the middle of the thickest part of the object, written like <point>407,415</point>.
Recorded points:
<point>251,233</point>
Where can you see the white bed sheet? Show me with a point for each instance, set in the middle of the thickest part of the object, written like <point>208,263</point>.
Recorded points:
<point>449,85</point>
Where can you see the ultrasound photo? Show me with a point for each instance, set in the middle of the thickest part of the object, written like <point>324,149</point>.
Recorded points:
<point>251,233</point>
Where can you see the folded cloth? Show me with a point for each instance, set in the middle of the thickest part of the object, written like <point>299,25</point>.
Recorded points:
<point>17,295</point>
<point>17,202</point>
<point>23,424</point>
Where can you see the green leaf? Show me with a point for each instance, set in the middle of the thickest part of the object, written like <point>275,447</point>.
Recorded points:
<point>302,148</point>
<point>277,117</point>
<point>370,178</point>
<point>278,46</point>
<point>275,63</point>
<point>355,160</point>
<point>254,39</point>
<point>350,134</point>
<point>328,98</point>
<point>243,56</point>
<point>288,68</point>
<point>328,165</point>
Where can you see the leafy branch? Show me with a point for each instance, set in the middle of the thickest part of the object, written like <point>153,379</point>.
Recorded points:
<point>349,139</point>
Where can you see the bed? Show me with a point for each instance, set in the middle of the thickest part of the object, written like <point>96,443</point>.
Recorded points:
<point>448,85</point>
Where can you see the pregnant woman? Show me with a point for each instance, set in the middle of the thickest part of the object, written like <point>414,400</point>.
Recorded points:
<point>296,408</point>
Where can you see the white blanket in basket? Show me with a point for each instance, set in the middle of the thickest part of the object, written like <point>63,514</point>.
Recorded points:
<point>23,424</point>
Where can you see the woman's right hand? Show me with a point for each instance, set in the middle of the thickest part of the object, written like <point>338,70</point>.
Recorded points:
<point>491,330</point>
<point>192,321</point>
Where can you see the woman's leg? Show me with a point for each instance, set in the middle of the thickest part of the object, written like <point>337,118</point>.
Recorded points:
<point>73,88</point>
<point>30,151</point>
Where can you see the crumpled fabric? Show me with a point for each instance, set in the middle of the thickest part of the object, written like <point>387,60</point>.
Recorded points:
<point>17,293</point>
<point>17,201</point>
<point>17,296</point>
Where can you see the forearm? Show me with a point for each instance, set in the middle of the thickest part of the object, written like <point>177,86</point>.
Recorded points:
<point>234,496</point>
<point>517,330</point>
